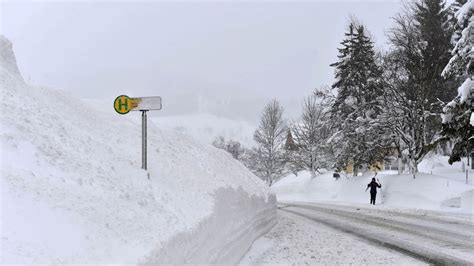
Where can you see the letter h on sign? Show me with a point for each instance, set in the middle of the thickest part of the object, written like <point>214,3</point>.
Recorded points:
<point>123,105</point>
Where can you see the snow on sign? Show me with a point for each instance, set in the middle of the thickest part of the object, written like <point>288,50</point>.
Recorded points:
<point>124,104</point>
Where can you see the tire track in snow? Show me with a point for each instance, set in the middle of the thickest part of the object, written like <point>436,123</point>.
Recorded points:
<point>295,240</point>
<point>462,222</point>
<point>431,244</point>
<point>427,229</point>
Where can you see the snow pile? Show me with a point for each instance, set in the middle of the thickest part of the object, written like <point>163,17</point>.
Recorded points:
<point>9,67</point>
<point>439,165</point>
<point>445,189</point>
<point>72,190</point>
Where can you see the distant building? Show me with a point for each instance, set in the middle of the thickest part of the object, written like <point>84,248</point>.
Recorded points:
<point>390,162</point>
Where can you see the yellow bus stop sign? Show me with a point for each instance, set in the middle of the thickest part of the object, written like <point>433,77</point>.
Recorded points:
<point>123,104</point>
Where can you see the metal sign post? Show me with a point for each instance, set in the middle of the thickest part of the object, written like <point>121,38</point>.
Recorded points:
<point>124,104</point>
<point>144,120</point>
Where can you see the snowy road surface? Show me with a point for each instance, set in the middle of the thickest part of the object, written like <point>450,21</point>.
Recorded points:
<point>295,240</point>
<point>310,233</point>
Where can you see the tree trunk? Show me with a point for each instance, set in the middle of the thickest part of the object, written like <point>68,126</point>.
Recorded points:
<point>400,166</point>
<point>414,168</point>
<point>313,173</point>
<point>355,170</point>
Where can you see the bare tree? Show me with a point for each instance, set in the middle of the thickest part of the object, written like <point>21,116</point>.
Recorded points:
<point>270,137</point>
<point>312,132</point>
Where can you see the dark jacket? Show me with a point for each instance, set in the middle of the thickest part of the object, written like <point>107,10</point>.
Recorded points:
<point>373,186</point>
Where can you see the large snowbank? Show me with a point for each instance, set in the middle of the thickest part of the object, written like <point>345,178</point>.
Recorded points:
<point>440,187</point>
<point>72,190</point>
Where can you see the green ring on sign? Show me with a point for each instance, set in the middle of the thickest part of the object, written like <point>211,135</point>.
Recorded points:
<point>118,104</point>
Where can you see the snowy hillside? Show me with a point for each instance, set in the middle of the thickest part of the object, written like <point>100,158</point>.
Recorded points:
<point>207,127</point>
<point>438,187</point>
<point>203,127</point>
<point>72,190</point>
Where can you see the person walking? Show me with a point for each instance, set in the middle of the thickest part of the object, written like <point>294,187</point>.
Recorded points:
<point>373,189</point>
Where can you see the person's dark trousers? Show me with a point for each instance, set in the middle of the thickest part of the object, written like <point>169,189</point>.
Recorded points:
<point>372,198</point>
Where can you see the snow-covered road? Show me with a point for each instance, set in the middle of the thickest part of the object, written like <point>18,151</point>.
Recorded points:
<point>310,233</point>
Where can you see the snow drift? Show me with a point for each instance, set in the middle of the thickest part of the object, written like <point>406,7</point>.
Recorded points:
<point>72,190</point>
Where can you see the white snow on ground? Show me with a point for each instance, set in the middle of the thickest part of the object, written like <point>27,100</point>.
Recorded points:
<point>438,199</point>
<point>436,164</point>
<point>72,190</point>
<point>299,241</point>
<point>445,189</point>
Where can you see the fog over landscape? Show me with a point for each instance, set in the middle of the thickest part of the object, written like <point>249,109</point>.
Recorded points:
<point>210,57</point>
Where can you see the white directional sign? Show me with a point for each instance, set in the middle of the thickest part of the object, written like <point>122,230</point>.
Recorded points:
<point>147,103</point>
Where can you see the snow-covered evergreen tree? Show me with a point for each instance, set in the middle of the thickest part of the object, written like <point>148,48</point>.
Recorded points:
<point>434,33</point>
<point>415,89</point>
<point>291,154</point>
<point>290,144</point>
<point>458,119</point>
<point>269,156</point>
<point>358,102</point>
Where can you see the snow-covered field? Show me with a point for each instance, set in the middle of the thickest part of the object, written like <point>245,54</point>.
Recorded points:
<point>72,190</point>
<point>439,186</point>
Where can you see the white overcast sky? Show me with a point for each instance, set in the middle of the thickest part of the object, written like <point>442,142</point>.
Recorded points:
<point>226,58</point>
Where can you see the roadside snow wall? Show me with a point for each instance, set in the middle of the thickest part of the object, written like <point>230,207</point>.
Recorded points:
<point>72,190</point>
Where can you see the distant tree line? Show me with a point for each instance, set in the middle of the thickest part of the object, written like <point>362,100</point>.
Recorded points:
<point>411,100</point>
